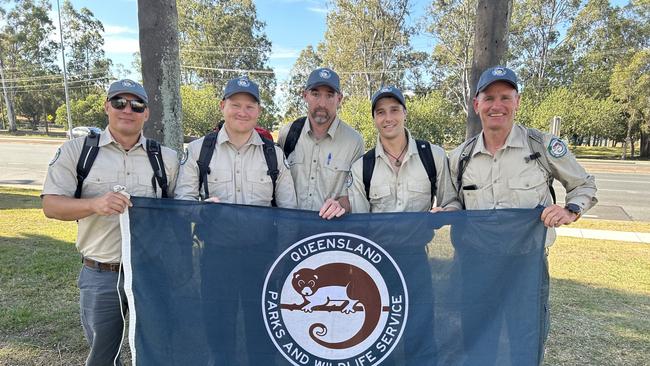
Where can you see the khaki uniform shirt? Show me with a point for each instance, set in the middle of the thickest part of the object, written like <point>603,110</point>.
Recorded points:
<point>508,180</point>
<point>408,190</point>
<point>320,168</point>
<point>99,237</point>
<point>236,176</point>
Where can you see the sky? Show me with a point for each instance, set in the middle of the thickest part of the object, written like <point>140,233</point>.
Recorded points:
<point>291,25</point>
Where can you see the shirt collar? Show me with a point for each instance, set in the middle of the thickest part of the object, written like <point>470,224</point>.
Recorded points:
<point>330,131</point>
<point>412,147</point>
<point>254,139</point>
<point>516,138</point>
<point>106,138</point>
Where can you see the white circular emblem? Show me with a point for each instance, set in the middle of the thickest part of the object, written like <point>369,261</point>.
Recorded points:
<point>349,180</point>
<point>335,299</point>
<point>186,154</point>
<point>243,82</point>
<point>557,148</point>
<point>386,89</point>
<point>127,83</point>
<point>499,71</point>
<point>325,74</point>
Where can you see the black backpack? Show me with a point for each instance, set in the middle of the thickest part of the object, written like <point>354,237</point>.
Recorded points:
<point>89,153</point>
<point>205,155</point>
<point>424,151</point>
<point>293,135</point>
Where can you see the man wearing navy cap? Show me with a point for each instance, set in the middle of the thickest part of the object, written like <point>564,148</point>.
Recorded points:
<point>123,161</point>
<point>320,148</point>
<point>510,166</point>
<point>399,181</point>
<point>238,171</point>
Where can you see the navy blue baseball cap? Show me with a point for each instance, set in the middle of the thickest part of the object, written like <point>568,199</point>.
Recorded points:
<point>494,74</point>
<point>323,76</point>
<point>387,91</point>
<point>126,86</point>
<point>241,85</point>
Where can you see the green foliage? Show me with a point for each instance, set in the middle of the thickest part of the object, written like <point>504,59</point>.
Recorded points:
<point>219,37</point>
<point>84,112</point>
<point>428,118</point>
<point>366,42</point>
<point>581,115</point>
<point>200,110</point>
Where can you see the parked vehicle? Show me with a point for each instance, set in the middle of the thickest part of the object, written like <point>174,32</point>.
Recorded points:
<point>82,131</point>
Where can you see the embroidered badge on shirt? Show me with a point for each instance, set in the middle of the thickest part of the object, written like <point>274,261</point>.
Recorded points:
<point>56,156</point>
<point>186,154</point>
<point>286,163</point>
<point>349,180</point>
<point>557,148</point>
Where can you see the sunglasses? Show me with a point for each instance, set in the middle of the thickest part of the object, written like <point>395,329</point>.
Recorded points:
<point>137,106</point>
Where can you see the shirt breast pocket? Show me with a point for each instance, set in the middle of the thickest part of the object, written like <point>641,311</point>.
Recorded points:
<point>380,197</point>
<point>260,188</point>
<point>419,190</point>
<point>98,184</point>
<point>337,171</point>
<point>220,185</point>
<point>527,191</point>
<point>144,188</point>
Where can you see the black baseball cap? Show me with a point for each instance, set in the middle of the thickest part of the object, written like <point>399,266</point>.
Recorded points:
<point>387,91</point>
<point>241,85</point>
<point>323,76</point>
<point>494,74</point>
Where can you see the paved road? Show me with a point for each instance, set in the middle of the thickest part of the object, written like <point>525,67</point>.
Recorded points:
<point>623,187</point>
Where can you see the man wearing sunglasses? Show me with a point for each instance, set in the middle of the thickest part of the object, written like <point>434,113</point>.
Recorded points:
<point>121,163</point>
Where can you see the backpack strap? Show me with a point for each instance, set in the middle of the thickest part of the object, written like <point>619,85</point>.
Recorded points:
<point>86,160</point>
<point>368,168</point>
<point>463,160</point>
<point>155,158</point>
<point>207,149</point>
<point>536,144</point>
<point>293,135</point>
<point>271,164</point>
<point>426,156</point>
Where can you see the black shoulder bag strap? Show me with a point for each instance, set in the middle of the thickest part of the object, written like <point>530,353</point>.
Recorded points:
<point>271,164</point>
<point>86,160</point>
<point>207,149</point>
<point>426,156</point>
<point>463,160</point>
<point>155,159</point>
<point>536,144</point>
<point>293,135</point>
<point>368,169</point>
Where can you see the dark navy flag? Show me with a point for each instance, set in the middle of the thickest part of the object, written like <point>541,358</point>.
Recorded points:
<point>219,284</point>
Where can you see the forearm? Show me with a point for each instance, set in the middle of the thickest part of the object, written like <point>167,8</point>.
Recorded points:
<point>66,208</point>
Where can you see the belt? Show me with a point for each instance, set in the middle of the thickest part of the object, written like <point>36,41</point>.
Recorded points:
<point>110,267</point>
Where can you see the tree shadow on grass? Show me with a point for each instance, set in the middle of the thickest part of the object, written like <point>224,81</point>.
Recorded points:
<point>11,201</point>
<point>597,326</point>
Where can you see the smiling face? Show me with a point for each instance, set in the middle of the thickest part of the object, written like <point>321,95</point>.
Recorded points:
<point>125,123</point>
<point>389,118</point>
<point>497,106</point>
<point>240,112</point>
<point>322,103</point>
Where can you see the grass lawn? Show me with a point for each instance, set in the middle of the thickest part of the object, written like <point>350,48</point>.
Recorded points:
<point>603,152</point>
<point>600,294</point>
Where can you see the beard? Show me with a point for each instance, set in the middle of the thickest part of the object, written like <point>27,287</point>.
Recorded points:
<point>321,116</point>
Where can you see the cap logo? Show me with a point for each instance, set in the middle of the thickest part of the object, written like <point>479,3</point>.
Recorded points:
<point>127,84</point>
<point>386,89</point>
<point>499,71</point>
<point>244,83</point>
<point>325,74</point>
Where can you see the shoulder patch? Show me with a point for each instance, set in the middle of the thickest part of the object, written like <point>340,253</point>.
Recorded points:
<point>184,157</point>
<point>349,180</point>
<point>56,156</point>
<point>286,163</point>
<point>557,148</point>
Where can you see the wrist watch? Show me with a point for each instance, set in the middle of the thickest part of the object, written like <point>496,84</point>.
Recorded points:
<point>574,208</point>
